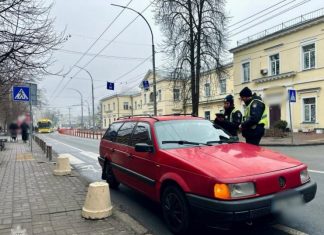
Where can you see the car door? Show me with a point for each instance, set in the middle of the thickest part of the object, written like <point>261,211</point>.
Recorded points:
<point>143,163</point>
<point>121,152</point>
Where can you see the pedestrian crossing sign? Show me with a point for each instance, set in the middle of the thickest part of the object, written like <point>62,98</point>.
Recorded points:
<point>292,96</point>
<point>20,93</point>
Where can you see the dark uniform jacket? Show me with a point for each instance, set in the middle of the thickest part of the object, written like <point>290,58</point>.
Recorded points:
<point>256,112</point>
<point>231,126</point>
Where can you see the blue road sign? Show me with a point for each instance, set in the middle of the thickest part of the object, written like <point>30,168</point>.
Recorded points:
<point>146,85</point>
<point>292,96</point>
<point>110,86</point>
<point>20,93</point>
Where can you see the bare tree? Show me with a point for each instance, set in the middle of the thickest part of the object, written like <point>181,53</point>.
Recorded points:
<point>27,40</point>
<point>195,39</point>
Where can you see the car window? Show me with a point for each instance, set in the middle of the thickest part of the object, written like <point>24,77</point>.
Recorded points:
<point>111,133</point>
<point>201,131</point>
<point>142,134</point>
<point>124,133</point>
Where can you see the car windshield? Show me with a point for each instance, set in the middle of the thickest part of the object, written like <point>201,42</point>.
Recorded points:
<point>188,133</point>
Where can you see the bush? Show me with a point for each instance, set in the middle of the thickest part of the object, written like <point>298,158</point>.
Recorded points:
<point>281,125</point>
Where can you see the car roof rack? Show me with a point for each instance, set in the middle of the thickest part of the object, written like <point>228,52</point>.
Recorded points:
<point>180,114</point>
<point>138,115</point>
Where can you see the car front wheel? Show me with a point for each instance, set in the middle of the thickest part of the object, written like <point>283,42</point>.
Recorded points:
<point>175,210</point>
<point>110,177</point>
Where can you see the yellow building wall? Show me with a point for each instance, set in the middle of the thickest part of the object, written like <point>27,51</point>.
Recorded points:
<point>289,47</point>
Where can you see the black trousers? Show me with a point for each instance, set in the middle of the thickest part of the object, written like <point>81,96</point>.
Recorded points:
<point>253,136</point>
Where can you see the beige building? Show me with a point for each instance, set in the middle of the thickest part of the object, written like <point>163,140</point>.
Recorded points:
<point>172,97</point>
<point>287,56</point>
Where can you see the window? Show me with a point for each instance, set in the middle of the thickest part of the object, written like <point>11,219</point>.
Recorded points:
<point>144,98</point>
<point>114,106</point>
<point>160,95</point>
<point>125,105</point>
<point>275,64</point>
<point>104,107</point>
<point>125,132</point>
<point>246,72</point>
<point>108,107</point>
<point>111,133</point>
<point>207,115</point>
<point>309,109</point>
<point>309,56</point>
<point>207,89</point>
<point>151,97</point>
<point>222,85</point>
<point>141,103</point>
<point>142,134</point>
<point>176,94</point>
<point>135,105</point>
<point>105,122</point>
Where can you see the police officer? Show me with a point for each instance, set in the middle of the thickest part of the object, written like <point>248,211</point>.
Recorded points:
<point>232,117</point>
<point>255,117</point>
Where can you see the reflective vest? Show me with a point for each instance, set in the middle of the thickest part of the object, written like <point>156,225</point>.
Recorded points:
<point>265,117</point>
<point>231,115</point>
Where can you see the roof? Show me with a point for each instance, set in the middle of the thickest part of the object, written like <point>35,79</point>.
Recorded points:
<point>158,118</point>
<point>122,94</point>
<point>298,23</point>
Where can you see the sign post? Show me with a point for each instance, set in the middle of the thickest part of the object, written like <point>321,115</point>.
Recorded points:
<point>292,99</point>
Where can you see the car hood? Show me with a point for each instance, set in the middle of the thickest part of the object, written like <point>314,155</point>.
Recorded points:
<point>234,160</point>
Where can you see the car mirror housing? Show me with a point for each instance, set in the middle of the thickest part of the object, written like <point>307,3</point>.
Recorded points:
<point>142,147</point>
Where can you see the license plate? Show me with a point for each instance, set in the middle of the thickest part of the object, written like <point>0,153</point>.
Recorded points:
<point>287,202</point>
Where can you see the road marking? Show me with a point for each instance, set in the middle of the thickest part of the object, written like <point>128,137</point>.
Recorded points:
<point>75,160</point>
<point>319,172</point>
<point>66,144</point>
<point>90,155</point>
<point>288,230</point>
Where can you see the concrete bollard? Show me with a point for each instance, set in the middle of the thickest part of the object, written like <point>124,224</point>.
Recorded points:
<point>62,165</point>
<point>49,152</point>
<point>97,204</point>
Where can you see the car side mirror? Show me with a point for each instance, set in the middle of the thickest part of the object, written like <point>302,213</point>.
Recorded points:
<point>141,147</point>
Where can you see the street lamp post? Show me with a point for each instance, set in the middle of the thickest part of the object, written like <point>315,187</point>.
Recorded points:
<point>93,116</point>
<point>153,54</point>
<point>81,105</point>
<point>88,112</point>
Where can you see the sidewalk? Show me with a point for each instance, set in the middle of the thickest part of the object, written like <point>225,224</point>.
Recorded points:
<point>32,198</point>
<point>300,139</point>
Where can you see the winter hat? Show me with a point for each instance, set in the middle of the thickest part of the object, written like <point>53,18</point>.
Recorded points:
<point>245,92</point>
<point>229,99</point>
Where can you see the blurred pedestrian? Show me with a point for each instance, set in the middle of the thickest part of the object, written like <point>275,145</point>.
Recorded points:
<point>24,131</point>
<point>13,129</point>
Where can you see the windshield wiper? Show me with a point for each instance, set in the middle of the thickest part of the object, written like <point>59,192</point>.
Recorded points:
<point>182,142</point>
<point>222,141</point>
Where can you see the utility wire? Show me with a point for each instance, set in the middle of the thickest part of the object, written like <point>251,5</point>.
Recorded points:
<point>84,66</point>
<point>271,17</point>
<point>91,46</point>
<point>249,17</point>
<point>251,21</point>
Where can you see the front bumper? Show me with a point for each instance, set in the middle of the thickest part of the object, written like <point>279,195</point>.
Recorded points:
<point>214,211</point>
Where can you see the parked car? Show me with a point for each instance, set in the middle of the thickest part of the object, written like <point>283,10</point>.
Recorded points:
<point>195,170</point>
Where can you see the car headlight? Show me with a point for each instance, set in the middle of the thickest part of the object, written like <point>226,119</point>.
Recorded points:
<point>234,191</point>
<point>304,176</point>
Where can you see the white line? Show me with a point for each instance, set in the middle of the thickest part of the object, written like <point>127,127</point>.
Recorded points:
<point>288,230</point>
<point>75,160</point>
<point>90,155</point>
<point>320,172</point>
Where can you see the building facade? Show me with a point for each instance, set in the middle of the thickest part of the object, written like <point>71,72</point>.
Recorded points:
<point>286,57</point>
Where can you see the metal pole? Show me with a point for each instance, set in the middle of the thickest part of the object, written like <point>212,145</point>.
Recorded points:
<point>81,105</point>
<point>70,116</point>
<point>31,128</point>
<point>153,54</point>
<point>291,125</point>
<point>92,94</point>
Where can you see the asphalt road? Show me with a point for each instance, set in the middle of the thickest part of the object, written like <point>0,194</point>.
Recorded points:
<point>306,220</point>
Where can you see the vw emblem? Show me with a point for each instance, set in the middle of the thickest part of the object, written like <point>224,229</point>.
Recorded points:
<point>282,181</point>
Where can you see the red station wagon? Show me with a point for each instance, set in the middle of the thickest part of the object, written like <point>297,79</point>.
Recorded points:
<point>196,170</point>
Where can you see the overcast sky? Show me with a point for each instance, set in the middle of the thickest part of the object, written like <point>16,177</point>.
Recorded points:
<point>85,20</point>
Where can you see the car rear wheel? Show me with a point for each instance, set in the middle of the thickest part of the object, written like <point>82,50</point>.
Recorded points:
<point>175,210</point>
<point>110,177</point>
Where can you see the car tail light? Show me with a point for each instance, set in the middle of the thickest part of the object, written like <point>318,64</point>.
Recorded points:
<point>304,176</point>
